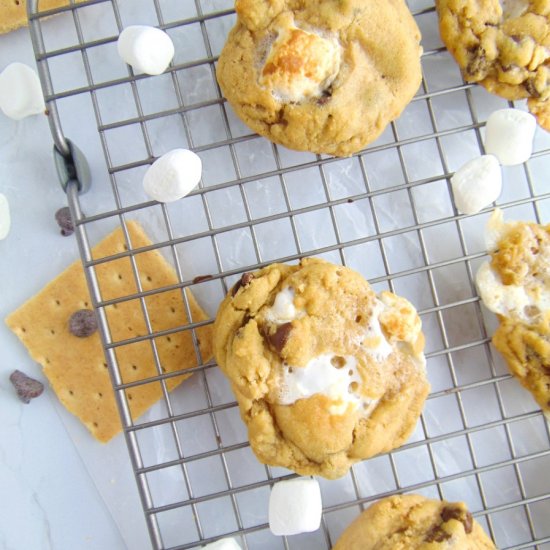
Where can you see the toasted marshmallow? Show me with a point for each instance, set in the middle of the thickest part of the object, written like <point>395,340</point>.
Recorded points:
<point>477,184</point>
<point>301,65</point>
<point>147,49</point>
<point>295,507</point>
<point>5,219</point>
<point>20,92</point>
<point>173,175</point>
<point>509,136</point>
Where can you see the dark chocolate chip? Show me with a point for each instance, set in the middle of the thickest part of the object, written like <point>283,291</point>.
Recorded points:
<point>280,337</point>
<point>27,388</point>
<point>529,85</point>
<point>201,278</point>
<point>83,323</point>
<point>243,281</point>
<point>65,221</point>
<point>350,201</point>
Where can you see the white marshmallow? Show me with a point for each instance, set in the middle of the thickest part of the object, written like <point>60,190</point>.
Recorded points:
<point>295,507</point>
<point>173,175</point>
<point>147,49</point>
<point>509,136</point>
<point>20,92</point>
<point>5,220</point>
<point>477,184</point>
<point>223,544</point>
<point>283,309</point>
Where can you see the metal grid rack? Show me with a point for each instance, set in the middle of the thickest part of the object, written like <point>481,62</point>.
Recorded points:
<point>480,437</point>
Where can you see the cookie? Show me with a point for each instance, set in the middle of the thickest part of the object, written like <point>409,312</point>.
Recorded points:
<point>505,49</point>
<point>515,285</point>
<point>325,76</point>
<point>14,12</point>
<point>413,521</point>
<point>326,373</point>
<point>75,364</point>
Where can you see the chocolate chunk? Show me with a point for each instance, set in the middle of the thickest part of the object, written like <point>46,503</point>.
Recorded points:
<point>529,85</point>
<point>243,281</point>
<point>201,278</point>
<point>27,388</point>
<point>459,514</point>
<point>437,534</point>
<point>65,221</point>
<point>280,337</point>
<point>83,323</point>
<point>478,66</point>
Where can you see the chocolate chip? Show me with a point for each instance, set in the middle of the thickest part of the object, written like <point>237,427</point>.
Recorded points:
<point>201,278</point>
<point>65,221</point>
<point>83,323</point>
<point>459,514</point>
<point>437,534</point>
<point>529,85</point>
<point>27,388</point>
<point>280,337</point>
<point>478,66</point>
<point>243,281</point>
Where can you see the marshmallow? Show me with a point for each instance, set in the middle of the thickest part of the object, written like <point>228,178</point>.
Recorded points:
<point>295,507</point>
<point>283,309</point>
<point>5,220</point>
<point>509,136</point>
<point>20,92</point>
<point>147,49</point>
<point>300,65</point>
<point>173,175</point>
<point>223,544</point>
<point>477,184</point>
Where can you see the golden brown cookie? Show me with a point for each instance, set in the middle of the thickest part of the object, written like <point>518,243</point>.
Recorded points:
<point>324,76</point>
<point>326,373</point>
<point>515,285</point>
<point>409,522</point>
<point>505,49</point>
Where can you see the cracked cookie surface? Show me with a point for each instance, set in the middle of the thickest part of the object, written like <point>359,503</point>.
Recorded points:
<point>504,46</point>
<point>326,372</point>
<point>515,285</point>
<point>322,76</point>
<point>411,522</point>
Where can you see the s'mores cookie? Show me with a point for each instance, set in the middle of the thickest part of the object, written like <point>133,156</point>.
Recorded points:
<point>515,284</point>
<point>325,371</point>
<point>504,46</point>
<point>412,522</point>
<point>322,76</point>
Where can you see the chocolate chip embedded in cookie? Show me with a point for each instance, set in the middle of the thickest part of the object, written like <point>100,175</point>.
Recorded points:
<point>325,371</point>
<point>413,521</point>
<point>515,285</point>
<point>324,76</point>
<point>504,46</point>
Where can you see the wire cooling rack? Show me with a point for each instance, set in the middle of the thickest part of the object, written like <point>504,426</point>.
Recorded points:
<point>386,212</point>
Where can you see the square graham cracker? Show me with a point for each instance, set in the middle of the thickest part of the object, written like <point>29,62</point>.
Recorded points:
<point>76,367</point>
<point>14,12</point>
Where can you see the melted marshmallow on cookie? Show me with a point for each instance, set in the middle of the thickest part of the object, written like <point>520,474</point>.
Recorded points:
<point>300,65</point>
<point>333,376</point>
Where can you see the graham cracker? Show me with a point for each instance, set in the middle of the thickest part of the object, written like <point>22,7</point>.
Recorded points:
<point>76,367</point>
<point>14,12</point>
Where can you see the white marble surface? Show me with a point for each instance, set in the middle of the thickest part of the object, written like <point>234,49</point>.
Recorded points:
<point>48,499</point>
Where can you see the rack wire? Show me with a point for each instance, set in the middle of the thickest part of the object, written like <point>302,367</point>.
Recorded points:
<point>386,212</point>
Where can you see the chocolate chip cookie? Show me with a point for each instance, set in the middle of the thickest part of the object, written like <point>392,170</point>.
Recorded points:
<point>324,76</point>
<point>325,371</point>
<point>413,522</point>
<point>504,46</point>
<point>515,285</point>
